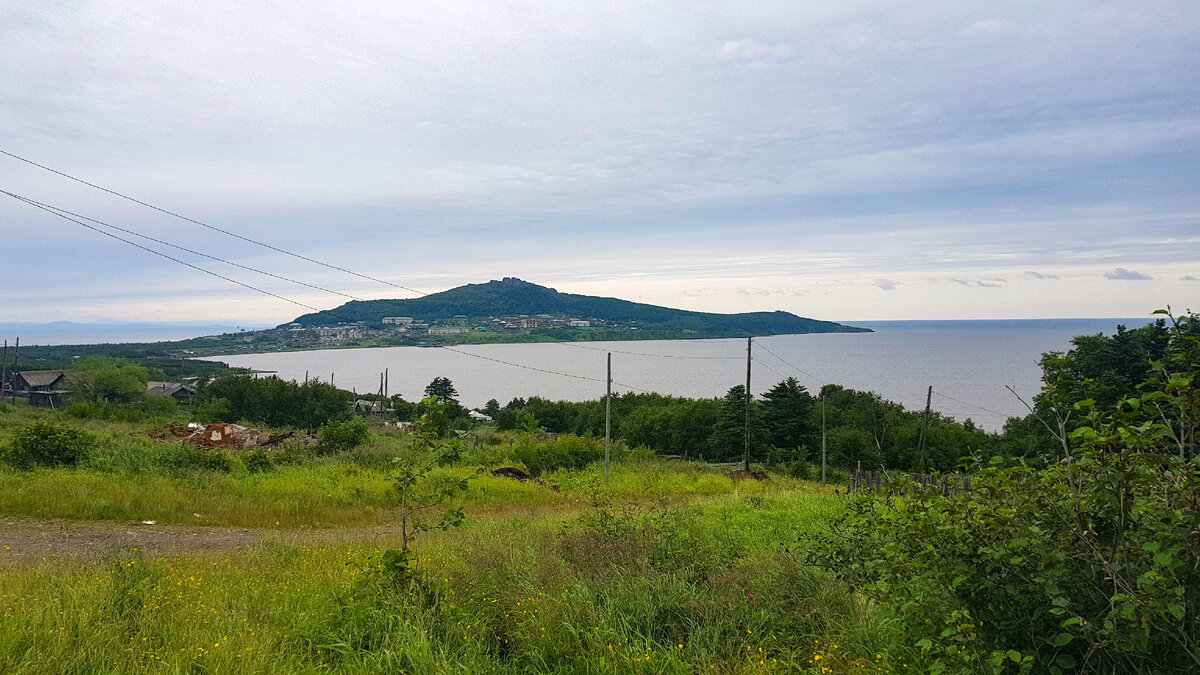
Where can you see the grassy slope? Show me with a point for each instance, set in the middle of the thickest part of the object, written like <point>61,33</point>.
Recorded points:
<point>682,573</point>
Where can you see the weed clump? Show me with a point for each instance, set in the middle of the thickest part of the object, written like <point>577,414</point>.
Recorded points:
<point>46,444</point>
<point>342,436</point>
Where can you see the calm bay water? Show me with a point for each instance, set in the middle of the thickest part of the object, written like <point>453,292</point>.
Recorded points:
<point>968,363</point>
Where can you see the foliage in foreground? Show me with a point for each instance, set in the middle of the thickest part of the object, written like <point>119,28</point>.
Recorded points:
<point>624,591</point>
<point>1091,564</point>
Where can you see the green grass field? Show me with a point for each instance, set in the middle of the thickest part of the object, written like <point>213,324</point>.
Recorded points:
<point>668,567</point>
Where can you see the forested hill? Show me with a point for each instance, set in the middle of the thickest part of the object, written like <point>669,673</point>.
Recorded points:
<point>514,297</point>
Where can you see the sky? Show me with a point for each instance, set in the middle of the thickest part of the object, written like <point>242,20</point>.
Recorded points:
<point>839,160</point>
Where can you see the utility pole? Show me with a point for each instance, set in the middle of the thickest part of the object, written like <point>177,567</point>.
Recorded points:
<point>16,359</point>
<point>822,439</point>
<point>746,455</point>
<point>386,382</point>
<point>608,417</point>
<point>925,428</point>
<point>4,372</point>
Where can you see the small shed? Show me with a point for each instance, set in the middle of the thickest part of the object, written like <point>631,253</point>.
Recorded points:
<point>176,390</point>
<point>365,407</point>
<point>43,388</point>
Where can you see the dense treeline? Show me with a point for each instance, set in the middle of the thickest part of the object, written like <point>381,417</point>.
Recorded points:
<point>785,426</point>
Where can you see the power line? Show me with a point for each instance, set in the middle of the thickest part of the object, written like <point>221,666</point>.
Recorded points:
<point>764,364</point>
<point>157,253</point>
<point>541,370</point>
<point>659,356</point>
<point>206,225</point>
<point>182,248</point>
<point>792,365</point>
<point>971,405</point>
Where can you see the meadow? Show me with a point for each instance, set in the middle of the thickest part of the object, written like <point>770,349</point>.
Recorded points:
<point>667,567</point>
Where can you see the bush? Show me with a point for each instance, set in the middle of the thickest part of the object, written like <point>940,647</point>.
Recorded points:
<point>342,436</point>
<point>45,444</point>
<point>159,405</point>
<point>258,461</point>
<point>1090,566</point>
<point>192,457</point>
<point>790,462</point>
<point>565,452</point>
<point>214,410</point>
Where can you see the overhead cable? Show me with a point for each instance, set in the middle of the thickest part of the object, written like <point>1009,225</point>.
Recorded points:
<point>541,370</point>
<point>790,364</point>
<point>184,248</point>
<point>157,253</point>
<point>659,356</point>
<point>206,225</point>
<point>971,405</point>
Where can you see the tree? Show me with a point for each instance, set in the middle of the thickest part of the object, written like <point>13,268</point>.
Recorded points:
<point>100,378</point>
<point>728,439</point>
<point>787,412</point>
<point>424,452</point>
<point>443,389</point>
<point>491,408</point>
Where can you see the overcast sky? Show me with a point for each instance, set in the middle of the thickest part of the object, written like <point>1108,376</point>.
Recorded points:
<point>841,160</point>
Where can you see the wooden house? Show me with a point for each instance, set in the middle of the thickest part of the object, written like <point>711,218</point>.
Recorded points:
<point>43,388</point>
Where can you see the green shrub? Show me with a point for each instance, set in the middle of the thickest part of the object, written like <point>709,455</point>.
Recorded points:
<point>214,410</point>
<point>258,461</point>
<point>1089,566</point>
<point>342,436</point>
<point>295,451</point>
<point>564,452</point>
<point>159,405</point>
<point>45,444</point>
<point>790,462</point>
<point>203,459</point>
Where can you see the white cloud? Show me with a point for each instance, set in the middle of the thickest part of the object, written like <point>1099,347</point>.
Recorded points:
<point>886,284</point>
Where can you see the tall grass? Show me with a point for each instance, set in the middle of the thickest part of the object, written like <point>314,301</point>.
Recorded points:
<point>513,594</point>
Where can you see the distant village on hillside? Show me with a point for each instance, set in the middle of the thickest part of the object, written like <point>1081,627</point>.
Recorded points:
<point>407,326</point>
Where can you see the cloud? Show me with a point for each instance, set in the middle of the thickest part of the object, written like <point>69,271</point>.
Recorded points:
<point>1122,274</point>
<point>982,283</point>
<point>1189,278</point>
<point>886,284</point>
<point>1040,275</point>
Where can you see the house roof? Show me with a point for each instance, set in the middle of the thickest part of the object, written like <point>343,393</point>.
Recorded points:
<point>167,388</point>
<point>39,378</point>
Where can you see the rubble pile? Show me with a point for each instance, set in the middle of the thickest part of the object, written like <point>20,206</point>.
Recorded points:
<point>225,436</point>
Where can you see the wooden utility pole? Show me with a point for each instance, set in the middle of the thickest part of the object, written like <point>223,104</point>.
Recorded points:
<point>925,427</point>
<point>16,369</point>
<point>4,372</point>
<point>608,417</point>
<point>822,439</point>
<point>746,455</point>
<point>386,383</point>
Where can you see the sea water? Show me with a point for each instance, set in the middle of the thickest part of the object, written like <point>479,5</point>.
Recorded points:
<point>970,364</point>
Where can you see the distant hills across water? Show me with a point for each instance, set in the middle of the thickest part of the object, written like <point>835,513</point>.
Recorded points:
<point>513,297</point>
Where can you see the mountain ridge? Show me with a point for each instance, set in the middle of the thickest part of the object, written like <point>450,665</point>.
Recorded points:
<point>511,296</point>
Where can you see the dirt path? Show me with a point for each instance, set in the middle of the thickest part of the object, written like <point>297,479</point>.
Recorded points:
<point>26,540</point>
<point>32,539</point>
